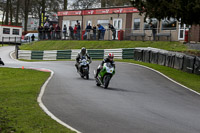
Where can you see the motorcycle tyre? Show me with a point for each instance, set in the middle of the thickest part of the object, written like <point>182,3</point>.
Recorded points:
<point>106,80</point>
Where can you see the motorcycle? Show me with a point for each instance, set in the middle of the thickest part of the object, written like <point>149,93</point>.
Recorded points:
<point>105,75</point>
<point>84,68</point>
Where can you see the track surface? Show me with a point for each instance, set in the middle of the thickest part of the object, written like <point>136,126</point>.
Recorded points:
<point>138,100</point>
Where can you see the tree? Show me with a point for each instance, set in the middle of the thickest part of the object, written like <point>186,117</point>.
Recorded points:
<point>65,4</point>
<point>185,10</point>
<point>85,4</point>
<point>107,3</point>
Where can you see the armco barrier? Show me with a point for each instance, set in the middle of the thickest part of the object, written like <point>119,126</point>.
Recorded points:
<point>146,55</point>
<point>117,53</point>
<point>188,65</point>
<point>154,56</point>
<point>37,55</point>
<point>96,53</point>
<point>178,62</point>
<point>127,53</point>
<point>24,54</point>
<point>50,55</point>
<point>64,54</point>
<point>74,53</point>
<point>138,54</point>
<point>197,65</point>
<point>162,57</point>
<point>170,59</point>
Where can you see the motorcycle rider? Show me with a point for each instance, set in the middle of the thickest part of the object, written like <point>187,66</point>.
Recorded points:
<point>80,56</point>
<point>108,59</point>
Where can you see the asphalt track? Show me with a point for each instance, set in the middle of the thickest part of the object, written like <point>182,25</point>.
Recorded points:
<point>138,100</point>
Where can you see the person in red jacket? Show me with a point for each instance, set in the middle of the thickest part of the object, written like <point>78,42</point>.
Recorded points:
<point>75,31</point>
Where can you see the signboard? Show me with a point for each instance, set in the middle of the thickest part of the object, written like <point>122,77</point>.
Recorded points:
<point>98,11</point>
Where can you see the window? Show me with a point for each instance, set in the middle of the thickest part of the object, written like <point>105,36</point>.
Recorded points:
<point>15,32</point>
<point>6,31</point>
<point>169,24</point>
<point>136,24</point>
<point>154,21</point>
<point>74,22</point>
<point>104,23</point>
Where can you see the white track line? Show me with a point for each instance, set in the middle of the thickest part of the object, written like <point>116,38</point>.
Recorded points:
<point>165,77</point>
<point>39,99</point>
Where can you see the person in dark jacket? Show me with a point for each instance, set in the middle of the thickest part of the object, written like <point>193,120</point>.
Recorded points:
<point>33,37</point>
<point>1,62</point>
<point>153,28</point>
<point>111,27</point>
<point>108,59</point>
<point>94,28</point>
<point>71,30</point>
<point>102,31</point>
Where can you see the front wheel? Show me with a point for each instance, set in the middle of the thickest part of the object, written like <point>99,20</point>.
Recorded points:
<point>106,80</point>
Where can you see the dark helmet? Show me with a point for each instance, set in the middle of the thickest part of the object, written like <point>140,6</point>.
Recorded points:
<point>83,50</point>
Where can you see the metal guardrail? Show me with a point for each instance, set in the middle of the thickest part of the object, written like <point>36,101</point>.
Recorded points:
<point>121,34</point>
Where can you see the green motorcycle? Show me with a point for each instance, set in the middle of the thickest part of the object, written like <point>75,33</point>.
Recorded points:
<point>105,75</point>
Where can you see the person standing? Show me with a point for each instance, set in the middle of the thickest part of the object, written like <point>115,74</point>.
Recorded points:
<point>111,27</point>
<point>78,31</point>
<point>102,31</point>
<point>153,31</point>
<point>57,31</point>
<point>94,28</point>
<point>40,29</point>
<point>33,37</point>
<point>65,31</point>
<point>52,32</point>
<point>71,30</point>
<point>75,32</point>
<point>88,28</point>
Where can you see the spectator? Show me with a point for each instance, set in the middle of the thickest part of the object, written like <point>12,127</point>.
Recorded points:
<point>57,30</point>
<point>75,31</point>
<point>94,28</point>
<point>153,31</point>
<point>40,29</point>
<point>65,31</point>
<point>78,31</point>
<point>88,28</point>
<point>33,37</point>
<point>102,31</point>
<point>52,32</point>
<point>111,27</point>
<point>71,30</point>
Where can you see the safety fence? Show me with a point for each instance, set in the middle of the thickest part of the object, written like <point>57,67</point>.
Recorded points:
<point>108,34</point>
<point>180,61</point>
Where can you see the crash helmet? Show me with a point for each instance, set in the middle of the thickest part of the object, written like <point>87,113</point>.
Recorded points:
<point>83,50</point>
<point>110,56</point>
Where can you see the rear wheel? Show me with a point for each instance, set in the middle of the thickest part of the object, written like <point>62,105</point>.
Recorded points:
<point>106,80</point>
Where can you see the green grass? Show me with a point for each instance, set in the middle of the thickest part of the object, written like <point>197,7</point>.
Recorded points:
<point>61,45</point>
<point>19,110</point>
<point>191,81</point>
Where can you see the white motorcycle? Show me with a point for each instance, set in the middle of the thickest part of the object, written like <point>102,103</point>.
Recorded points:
<point>84,68</point>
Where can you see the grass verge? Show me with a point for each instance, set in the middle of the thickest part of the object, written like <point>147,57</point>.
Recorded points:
<point>19,110</point>
<point>191,81</point>
<point>61,45</point>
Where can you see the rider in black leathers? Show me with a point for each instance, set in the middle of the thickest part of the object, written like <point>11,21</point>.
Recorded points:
<point>80,56</point>
<point>1,62</point>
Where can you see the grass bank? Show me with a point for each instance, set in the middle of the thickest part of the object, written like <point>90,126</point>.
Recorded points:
<point>61,45</point>
<point>189,80</point>
<point>19,110</point>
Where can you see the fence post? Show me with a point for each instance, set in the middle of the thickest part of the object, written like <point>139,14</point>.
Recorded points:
<point>16,51</point>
